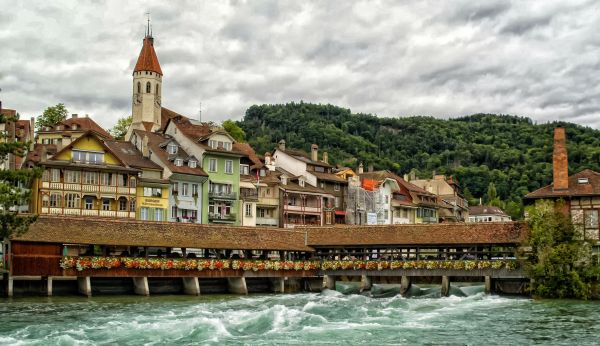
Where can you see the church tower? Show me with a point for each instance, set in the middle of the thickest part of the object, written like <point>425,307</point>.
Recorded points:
<point>147,88</point>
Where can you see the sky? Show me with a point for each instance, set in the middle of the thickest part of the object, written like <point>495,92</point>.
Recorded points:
<point>539,59</point>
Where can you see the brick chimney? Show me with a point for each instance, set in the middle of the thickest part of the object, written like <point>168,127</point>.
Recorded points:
<point>325,157</point>
<point>314,152</point>
<point>560,163</point>
<point>282,145</point>
<point>361,168</point>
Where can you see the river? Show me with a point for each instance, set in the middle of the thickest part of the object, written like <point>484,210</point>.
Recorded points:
<point>298,319</point>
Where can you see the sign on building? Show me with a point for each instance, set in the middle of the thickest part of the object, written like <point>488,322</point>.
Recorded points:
<point>371,218</point>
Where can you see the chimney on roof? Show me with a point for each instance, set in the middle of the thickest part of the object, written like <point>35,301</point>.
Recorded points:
<point>267,158</point>
<point>282,144</point>
<point>44,154</point>
<point>74,116</point>
<point>406,177</point>
<point>361,168</point>
<point>314,152</point>
<point>560,162</point>
<point>325,157</point>
<point>145,150</point>
<point>371,167</point>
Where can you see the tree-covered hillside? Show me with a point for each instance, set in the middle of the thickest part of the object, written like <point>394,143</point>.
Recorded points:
<point>512,152</point>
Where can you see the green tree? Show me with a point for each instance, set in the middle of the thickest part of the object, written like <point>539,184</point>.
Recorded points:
<point>51,116</point>
<point>561,264</point>
<point>120,129</point>
<point>234,130</point>
<point>13,187</point>
<point>492,197</point>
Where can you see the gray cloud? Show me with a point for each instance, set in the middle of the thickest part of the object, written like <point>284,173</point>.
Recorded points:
<point>445,59</point>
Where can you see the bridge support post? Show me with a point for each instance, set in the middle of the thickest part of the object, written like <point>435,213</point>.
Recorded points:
<point>237,285</point>
<point>488,284</point>
<point>140,286</point>
<point>191,286</point>
<point>365,283</point>
<point>329,282</point>
<point>9,285</point>
<point>278,285</point>
<point>445,286</point>
<point>49,286</point>
<point>405,283</point>
<point>84,285</point>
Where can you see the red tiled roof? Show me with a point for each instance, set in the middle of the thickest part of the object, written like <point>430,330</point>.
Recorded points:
<point>148,61</point>
<point>429,234</point>
<point>35,156</point>
<point>249,151</point>
<point>592,188</point>
<point>127,153</point>
<point>83,124</point>
<point>154,142</point>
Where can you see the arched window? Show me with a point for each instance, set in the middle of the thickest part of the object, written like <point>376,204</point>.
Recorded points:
<point>139,87</point>
<point>148,87</point>
<point>156,88</point>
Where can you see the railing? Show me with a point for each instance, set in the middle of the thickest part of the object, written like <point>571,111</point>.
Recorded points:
<point>429,219</point>
<point>268,201</point>
<point>224,195</point>
<point>123,190</point>
<point>249,195</point>
<point>266,221</point>
<point>88,212</point>
<point>222,217</point>
<point>302,209</point>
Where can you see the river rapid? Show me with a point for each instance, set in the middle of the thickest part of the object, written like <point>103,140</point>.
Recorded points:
<point>328,318</point>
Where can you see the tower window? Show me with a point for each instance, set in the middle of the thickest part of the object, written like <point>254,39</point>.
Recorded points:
<point>139,87</point>
<point>157,89</point>
<point>148,87</point>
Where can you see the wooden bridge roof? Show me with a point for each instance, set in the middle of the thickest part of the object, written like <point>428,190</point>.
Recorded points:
<point>421,234</point>
<point>104,231</point>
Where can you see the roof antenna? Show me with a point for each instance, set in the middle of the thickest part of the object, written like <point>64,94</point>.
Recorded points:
<point>148,33</point>
<point>200,113</point>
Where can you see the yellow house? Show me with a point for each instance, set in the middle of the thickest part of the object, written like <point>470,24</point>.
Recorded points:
<point>92,176</point>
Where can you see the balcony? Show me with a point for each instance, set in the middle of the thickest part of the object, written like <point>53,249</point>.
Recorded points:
<point>122,190</point>
<point>222,195</point>
<point>429,219</point>
<point>268,201</point>
<point>301,209</point>
<point>249,195</point>
<point>89,212</point>
<point>222,217</point>
<point>266,221</point>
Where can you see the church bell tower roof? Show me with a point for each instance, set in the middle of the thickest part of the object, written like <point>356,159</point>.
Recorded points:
<point>148,61</point>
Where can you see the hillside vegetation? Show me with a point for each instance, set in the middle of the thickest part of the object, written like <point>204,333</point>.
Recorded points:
<point>511,152</point>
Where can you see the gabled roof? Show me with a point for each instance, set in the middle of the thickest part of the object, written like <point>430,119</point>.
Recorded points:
<point>84,135</point>
<point>127,153</point>
<point>156,142</point>
<point>148,61</point>
<point>419,234</point>
<point>249,151</point>
<point>592,188</point>
<point>79,124</point>
<point>328,177</point>
<point>302,156</point>
<point>485,210</point>
<point>88,230</point>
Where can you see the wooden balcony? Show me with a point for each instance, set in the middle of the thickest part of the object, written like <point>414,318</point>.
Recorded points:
<point>222,195</point>
<point>89,212</point>
<point>121,190</point>
<point>266,221</point>
<point>302,209</point>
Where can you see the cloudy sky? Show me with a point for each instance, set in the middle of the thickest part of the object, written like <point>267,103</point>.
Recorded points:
<point>539,59</point>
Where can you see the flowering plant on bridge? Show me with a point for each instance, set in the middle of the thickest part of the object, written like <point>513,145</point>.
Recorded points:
<point>86,263</point>
<point>417,264</point>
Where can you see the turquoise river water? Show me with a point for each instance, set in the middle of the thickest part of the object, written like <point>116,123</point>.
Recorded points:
<point>328,318</point>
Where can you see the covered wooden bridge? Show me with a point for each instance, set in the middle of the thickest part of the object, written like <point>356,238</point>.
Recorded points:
<point>145,257</point>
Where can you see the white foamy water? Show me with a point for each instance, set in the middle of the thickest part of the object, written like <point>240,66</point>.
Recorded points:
<point>327,318</point>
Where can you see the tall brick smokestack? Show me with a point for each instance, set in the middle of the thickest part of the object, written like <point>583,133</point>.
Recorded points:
<point>560,163</point>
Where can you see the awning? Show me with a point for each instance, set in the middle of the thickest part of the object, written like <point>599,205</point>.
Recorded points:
<point>340,212</point>
<point>247,185</point>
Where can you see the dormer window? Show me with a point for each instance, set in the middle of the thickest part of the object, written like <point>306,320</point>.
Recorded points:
<point>284,180</point>
<point>583,181</point>
<point>244,169</point>
<point>192,163</point>
<point>178,162</point>
<point>172,149</point>
<point>301,182</point>
<point>214,144</point>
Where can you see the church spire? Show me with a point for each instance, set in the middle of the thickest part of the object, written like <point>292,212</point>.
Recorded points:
<point>148,61</point>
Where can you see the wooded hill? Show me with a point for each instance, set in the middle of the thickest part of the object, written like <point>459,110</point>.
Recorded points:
<point>512,152</point>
